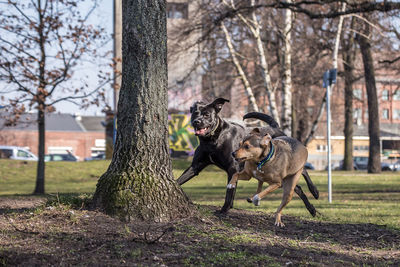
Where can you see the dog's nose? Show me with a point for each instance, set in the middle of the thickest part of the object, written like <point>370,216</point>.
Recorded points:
<point>196,122</point>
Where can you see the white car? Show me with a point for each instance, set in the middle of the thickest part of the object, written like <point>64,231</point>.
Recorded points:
<point>15,152</point>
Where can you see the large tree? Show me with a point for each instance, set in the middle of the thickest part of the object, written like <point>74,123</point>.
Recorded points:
<point>374,159</point>
<point>43,45</point>
<point>348,55</point>
<point>139,183</point>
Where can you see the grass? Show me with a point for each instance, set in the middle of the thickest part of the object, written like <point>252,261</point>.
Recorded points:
<point>358,197</point>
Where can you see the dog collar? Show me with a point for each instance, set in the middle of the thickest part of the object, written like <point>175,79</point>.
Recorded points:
<point>267,158</point>
<point>213,131</point>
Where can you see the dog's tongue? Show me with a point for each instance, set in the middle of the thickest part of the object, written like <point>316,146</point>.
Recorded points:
<point>201,131</point>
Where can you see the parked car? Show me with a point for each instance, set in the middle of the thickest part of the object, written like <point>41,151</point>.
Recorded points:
<point>309,166</point>
<point>17,153</point>
<point>60,157</point>
<point>395,166</point>
<point>97,157</point>
<point>361,163</point>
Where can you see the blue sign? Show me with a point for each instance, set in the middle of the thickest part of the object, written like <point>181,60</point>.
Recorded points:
<point>329,78</point>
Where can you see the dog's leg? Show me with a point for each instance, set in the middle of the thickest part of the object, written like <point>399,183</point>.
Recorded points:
<point>198,164</point>
<point>259,189</point>
<point>301,194</point>
<point>269,189</point>
<point>288,185</point>
<point>257,197</point>
<point>238,176</point>
<point>233,177</point>
<point>313,189</point>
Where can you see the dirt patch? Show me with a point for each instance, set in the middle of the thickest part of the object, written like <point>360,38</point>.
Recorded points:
<point>11,204</point>
<point>59,235</point>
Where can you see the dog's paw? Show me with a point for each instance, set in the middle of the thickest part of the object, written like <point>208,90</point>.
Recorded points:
<point>279,224</point>
<point>230,186</point>
<point>256,200</point>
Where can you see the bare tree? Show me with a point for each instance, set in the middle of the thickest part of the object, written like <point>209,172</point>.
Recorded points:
<point>239,69</point>
<point>286,121</point>
<point>139,183</point>
<point>374,159</point>
<point>348,55</point>
<point>43,44</point>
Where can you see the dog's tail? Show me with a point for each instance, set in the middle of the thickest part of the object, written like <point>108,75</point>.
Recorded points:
<point>313,189</point>
<point>309,206</point>
<point>264,117</point>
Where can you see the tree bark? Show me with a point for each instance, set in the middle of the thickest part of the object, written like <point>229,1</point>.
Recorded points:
<point>139,183</point>
<point>286,123</point>
<point>41,96</point>
<point>349,53</point>
<point>374,159</point>
<point>40,171</point>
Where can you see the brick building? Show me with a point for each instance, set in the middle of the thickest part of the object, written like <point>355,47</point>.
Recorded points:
<point>83,136</point>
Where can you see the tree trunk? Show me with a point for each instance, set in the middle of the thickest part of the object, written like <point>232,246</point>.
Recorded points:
<point>41,96</point>
<point>139,183</point>
<point>374,160</point>
<point>349,53</point>
<point>39,189</point>
<point>246,84</point>
<point>264,67</point>
<point>286,123</point>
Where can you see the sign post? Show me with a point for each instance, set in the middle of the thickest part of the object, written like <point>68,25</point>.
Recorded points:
<point>329,78</point>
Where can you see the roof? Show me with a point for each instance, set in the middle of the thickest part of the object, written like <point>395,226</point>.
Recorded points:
<point>93,123</point>
<point>55,122</point>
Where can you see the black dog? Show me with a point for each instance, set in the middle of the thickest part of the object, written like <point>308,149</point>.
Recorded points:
<point>219,138</point>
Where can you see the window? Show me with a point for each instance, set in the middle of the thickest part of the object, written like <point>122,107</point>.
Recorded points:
<point>22,154</point>
<point>385,114</point>
<point>322,148</point>
<point>396,114</point>
<point>177,10</point>
<point>357,93</point>
<point>357,113</point>
<point>58,157</point>
<point>396,95</point>
<point>385,95</point>
<point>5,153</point>
<point>361,148</point>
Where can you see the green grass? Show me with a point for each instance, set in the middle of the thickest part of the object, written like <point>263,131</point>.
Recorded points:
<point>358,197</point>
<point>19,177</point>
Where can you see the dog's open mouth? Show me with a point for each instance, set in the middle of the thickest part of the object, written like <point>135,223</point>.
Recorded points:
<point>201,131</point>
<point>240,159</point>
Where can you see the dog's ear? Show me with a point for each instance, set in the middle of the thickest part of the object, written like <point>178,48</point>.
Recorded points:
<point>218,103</point>
<point>255,131</point>
<point>265,140</point>
<point>192,108</point>
<point>195,106</point>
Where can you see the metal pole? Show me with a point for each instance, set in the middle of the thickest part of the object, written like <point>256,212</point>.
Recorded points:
<point>328,121</point>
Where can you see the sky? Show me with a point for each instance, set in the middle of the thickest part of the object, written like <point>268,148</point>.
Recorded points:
<point>103,16</point>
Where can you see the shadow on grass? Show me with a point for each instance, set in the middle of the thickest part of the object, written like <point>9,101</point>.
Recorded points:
<point>366,236</point>
<point>239,238</point>
<point>28,203</point>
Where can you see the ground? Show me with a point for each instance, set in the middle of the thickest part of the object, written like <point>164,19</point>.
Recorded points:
<point>35,231</point>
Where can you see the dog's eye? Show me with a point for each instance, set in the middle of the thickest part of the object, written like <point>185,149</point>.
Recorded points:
<point>206,115</point>
<point>246,146</point>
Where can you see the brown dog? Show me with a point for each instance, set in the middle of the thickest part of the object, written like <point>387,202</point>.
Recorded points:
<point>278,161</point>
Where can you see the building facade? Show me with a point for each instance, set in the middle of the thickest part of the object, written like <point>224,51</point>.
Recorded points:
<point>83,136</point>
